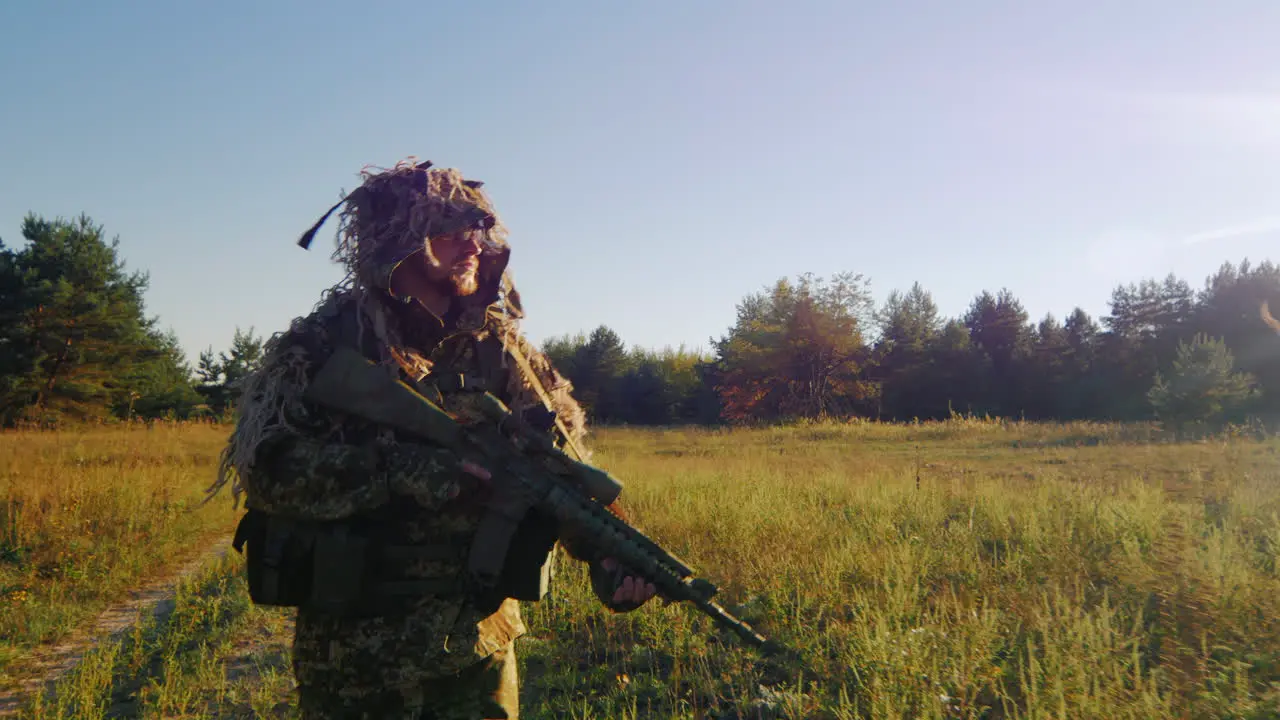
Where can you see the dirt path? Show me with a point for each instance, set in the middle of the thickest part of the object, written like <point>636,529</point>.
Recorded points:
<point>48,664</point>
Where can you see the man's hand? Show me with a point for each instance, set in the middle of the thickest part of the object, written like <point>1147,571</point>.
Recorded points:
<point>632,592</point>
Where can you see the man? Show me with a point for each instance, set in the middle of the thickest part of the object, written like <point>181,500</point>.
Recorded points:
<point>428,297</point>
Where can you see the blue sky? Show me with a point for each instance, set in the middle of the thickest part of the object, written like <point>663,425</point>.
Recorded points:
<point>657,161</point>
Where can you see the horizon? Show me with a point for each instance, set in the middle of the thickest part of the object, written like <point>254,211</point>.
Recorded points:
<point>879,298</point>
<point>675,159</point>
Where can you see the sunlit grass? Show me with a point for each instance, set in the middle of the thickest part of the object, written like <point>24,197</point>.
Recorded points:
<point>963,570</point>
<point>969,569</point>
<point>86,516</point>
<point>190,665</point>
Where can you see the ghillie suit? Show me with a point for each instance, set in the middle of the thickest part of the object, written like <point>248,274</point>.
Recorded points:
<point>417,639</point>
<point>1268,318</point>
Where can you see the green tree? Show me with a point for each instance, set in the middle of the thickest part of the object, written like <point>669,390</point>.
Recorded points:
<point>1228,307</point>
<point>661,388</point>
<point>909,321</point>
<point>220,377</point>
<point>998,326</point>
<point>1202,388</point>
<point>1048,381</point>
<point>77,343</point>
<point>909,328</point>
<point>598,364</point>
<point>159,384</point>
<point>1146,323</point>
<point>958,377</point>
<point>562,350</point>
<point>639,386</point>
<point>1083,394</point>
<point>16,356</point>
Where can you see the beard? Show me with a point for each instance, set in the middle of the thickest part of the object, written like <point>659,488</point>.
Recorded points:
<point>458,281</point>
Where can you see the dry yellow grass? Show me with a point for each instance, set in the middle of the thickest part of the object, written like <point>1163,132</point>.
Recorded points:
<point>86,516</point>
<point>951,570</point>
<point>962,569</point>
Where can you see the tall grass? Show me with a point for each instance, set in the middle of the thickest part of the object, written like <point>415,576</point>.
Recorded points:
<point>967,569</point>
<point>88,515</point>
<point>180,667</point>
<point>1001,572</point>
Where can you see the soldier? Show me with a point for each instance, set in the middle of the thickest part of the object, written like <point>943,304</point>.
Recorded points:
<point>428,296</point>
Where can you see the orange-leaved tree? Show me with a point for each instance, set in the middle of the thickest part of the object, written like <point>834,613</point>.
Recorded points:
<point>797,351</point>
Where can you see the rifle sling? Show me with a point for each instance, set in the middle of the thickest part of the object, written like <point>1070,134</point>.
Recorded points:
<point>532,377</point>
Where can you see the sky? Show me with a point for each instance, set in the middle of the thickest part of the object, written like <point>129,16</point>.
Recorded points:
<point>656,162</point>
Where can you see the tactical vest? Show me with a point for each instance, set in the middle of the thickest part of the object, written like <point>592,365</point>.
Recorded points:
<point>351,568</point>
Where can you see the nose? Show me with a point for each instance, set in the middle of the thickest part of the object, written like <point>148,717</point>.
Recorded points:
<point>469,244</point>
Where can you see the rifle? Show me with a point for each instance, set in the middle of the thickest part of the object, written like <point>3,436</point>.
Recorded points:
<point>529,474</point>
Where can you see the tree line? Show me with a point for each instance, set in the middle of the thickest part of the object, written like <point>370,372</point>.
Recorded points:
<point>76,344</point>
<point>814,348</point>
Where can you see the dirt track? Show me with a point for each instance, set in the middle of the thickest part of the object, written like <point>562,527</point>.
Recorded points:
<point>155,598</point>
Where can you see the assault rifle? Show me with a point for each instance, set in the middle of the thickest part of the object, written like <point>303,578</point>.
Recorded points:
<point>530,476</point>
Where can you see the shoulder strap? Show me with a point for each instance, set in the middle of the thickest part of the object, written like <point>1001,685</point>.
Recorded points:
<point>527,369</point>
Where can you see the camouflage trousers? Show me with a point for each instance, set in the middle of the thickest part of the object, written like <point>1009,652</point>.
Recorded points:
<point>489,690</point>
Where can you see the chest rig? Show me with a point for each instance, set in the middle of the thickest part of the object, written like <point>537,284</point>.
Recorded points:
<point>346,567</point>
<point>527,557</point>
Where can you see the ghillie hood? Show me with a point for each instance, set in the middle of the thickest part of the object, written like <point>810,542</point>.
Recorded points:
<point>389,218</point>
<point>383,223</point>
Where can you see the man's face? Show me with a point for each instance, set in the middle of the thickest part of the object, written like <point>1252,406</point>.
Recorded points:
<point>457,260</point>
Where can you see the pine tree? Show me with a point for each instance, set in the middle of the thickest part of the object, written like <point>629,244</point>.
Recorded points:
<point>159,383</point>
<point>598,364</point>
<point>909,327</point>
<point>77,344</point>
<point>1083,392</point>
<point>1228,307</point>
<point>1202,388</point>
<point>1146,323</point>
<point>999,328</point>
<point>960,375</point>
<point>220,378</point>
<point>1048,377</point>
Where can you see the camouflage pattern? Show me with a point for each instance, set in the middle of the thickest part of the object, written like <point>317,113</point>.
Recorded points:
<point>442,654</point>
<point>331,467</point>
<point>489,689</point>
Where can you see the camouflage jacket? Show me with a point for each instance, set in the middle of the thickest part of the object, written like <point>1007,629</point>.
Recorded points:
<point>330,466</point>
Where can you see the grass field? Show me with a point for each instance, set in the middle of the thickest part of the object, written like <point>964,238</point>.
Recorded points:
<point>86,516</point>
<point>954,570</point>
